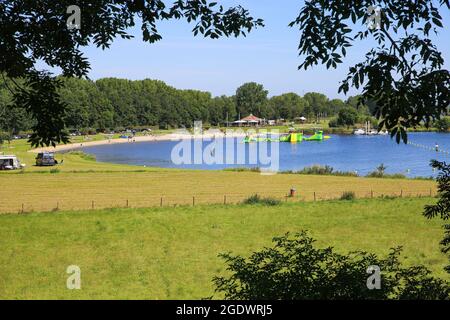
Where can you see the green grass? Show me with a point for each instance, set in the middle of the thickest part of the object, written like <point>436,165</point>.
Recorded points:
<point>171,253</point>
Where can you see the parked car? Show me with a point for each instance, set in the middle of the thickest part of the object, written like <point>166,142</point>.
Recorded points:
<point>46,159</point>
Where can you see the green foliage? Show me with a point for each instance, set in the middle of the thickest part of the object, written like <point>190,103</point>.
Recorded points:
<point>333,123</point>
<point>379,172</point>
<point>348,195</point>
<point>442,207</point>
<point>3,137</point>
<point>287,106</point>
<point>256,199</point>
<point>295,269</point>
<point>442,124</point>
<point>401,93</point>
<point>324,170</point>
<point>83,155</point>
<point>251,98</point>
<point>112,103</point>
<point>317,169</point>
<point>316,103</point>
<point>347,117</point>
<point>26,41</point>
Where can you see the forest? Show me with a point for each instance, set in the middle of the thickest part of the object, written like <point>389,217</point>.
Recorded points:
<point>112,103</point>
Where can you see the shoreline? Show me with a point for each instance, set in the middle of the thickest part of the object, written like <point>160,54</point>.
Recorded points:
<point>164,137</point>
<point>151,138</point>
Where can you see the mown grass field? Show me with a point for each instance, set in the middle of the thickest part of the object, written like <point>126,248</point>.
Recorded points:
<point>171,253</point>
<point>72,191</point>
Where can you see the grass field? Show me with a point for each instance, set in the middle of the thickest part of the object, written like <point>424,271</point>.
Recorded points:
<point>171,253</point>
<point>71,191</point>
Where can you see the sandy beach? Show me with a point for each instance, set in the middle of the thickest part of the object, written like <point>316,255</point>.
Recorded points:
<point>165,137</point>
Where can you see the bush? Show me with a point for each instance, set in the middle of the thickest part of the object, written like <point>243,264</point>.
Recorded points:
<point>317,169</point>
<point>324,170</point>
<point>442,124</point>
<point>55,170</point>
<point>348,195</point>
<point>378,173</point>
<point>256,199</point>
<point>333,123</point>
<point>4,137</point>
<point>347,116</point>
<point>294,269</point>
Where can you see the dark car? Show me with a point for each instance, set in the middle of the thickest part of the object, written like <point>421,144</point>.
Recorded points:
<point>46,159</point>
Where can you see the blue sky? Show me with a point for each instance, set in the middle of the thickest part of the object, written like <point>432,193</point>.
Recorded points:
<point>267,56</point>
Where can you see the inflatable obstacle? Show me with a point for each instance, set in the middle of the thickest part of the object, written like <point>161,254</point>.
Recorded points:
<point>291,137</point>
<point>258,139</point>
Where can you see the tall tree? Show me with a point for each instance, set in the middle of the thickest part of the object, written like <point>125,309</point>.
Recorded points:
<point>347,116</point>
<point>37,30</point>
<point>335,105</point>
<point>287,106</point>
<point>251,98</point>
<point>317,102</point>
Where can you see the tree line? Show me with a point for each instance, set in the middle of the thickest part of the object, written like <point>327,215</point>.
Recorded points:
<point>110,103</point>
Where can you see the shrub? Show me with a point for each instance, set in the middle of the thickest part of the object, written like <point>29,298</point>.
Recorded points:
<point>294,269</point>
<point>347,116</point>
<point>378,173</point>
<point>324,170</point>
<point>348,195</point>
<point>55,170</point>
<point>317,169</point>
<point>442,124</point>
<point>256,199</point>
<point>333,123</point>
<point>4,137</point>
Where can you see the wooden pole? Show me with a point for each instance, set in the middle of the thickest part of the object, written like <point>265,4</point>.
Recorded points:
<point>314,196</point>
<point>401,193</point>
<point>127,203</point>
<point>161,202</point>
<point>225,199</point>
<point>93,204</point>
<point>193,201</point>
<point>23,208</point>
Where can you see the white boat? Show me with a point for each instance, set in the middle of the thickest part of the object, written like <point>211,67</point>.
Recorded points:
<point>359,132</point>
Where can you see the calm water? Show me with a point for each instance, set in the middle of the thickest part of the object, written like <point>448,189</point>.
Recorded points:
<point>343,152</point>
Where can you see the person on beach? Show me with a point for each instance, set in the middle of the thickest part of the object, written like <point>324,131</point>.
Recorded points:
<point>436,147</point>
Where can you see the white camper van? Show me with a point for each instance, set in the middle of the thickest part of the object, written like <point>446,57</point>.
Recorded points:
<point>10,163</point>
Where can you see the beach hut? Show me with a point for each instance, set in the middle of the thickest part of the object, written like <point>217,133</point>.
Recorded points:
<point>250,120</point>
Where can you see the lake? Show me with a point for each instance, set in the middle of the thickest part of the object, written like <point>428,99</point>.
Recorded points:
<point>361,154</point>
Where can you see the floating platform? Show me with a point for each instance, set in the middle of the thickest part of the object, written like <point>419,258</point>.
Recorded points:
<point>291,137</point>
